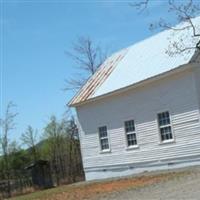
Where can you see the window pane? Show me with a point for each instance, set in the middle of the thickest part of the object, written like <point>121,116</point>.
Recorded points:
<point>103,135</point>
<point>163,118</point>
<point>166,133</point>
<point>130,126</point>
<point>165,127</point>
<point>103,131</point>
<point>104,144</point>
<point>131,139</point>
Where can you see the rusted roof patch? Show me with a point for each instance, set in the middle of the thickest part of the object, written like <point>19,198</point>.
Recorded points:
<point>98,78</point>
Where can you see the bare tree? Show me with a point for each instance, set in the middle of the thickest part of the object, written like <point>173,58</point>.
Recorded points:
<point>54,135</point>
<point>7,124</point>
<point>29,138</point>
<point>184,12</point>
<point>88,57</point>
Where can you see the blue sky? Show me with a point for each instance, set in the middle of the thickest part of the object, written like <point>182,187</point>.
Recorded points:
<point>34,38</point>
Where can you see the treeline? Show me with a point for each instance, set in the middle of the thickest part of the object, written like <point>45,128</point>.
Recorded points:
<point>58,144</point>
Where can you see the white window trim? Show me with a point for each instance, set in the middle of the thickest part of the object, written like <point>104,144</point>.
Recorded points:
<point>108,137</point>
<point>164,126</point>
<point>131,147</point>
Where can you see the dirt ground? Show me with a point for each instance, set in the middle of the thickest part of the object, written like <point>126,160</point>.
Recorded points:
<point>173,185</point>
<point>183,187</point>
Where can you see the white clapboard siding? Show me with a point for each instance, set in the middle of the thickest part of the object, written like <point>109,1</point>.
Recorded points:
<point>197,77</point>
<point>176,94</point>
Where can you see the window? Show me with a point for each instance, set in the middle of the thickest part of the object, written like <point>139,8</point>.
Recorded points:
<point>165,126</point>
<point>103,136</point>
<point>130,133</point>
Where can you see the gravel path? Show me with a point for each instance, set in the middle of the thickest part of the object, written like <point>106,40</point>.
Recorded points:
<point>186,187</point>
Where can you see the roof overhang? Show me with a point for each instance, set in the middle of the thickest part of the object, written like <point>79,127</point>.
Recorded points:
<point>179,69</point>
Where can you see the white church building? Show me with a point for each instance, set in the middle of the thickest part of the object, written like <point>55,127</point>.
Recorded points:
<point>141,110</point>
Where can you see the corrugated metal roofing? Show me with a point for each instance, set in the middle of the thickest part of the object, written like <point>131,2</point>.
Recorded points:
<point>138,62</point>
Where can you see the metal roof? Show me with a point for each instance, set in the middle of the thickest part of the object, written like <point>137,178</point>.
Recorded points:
<point>139,62</point>
<point>98,78</point>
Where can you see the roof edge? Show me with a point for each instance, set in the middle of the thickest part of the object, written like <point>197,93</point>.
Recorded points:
<point>181,68</point>
<point>103,72</point>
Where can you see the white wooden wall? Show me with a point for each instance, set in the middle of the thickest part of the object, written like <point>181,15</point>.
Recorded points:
<point>177,94</point>
<point>197,76</point>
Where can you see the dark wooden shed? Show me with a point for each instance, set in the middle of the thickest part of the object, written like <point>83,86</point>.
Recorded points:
<point>41,174</point>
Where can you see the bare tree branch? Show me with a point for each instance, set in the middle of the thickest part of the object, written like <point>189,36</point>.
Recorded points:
<point>29,138</point>
<point>184,12</point>
<point>75,83</point>
<point>140,5</point>
<point>88,57</point>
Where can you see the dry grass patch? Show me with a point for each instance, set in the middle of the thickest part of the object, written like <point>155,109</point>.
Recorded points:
<point>92,190</point>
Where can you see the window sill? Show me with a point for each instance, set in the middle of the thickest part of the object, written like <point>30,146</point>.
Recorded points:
<point>132,147</point>
<point>105,151</point>
<point>167,142</point>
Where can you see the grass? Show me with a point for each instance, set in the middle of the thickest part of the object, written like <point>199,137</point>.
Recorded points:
<point>92,190</point>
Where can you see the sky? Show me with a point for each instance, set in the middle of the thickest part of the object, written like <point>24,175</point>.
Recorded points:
<point>34,38</point>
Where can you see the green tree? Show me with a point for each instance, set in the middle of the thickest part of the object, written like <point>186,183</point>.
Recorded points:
<point>7,124</point>
<point>29,138</point>
<point>54,135</point>
<point>61,146</point>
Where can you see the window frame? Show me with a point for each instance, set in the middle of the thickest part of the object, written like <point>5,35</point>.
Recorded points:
<point>165,126</point>
<point>129,133</point>
<point>100,138</point>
